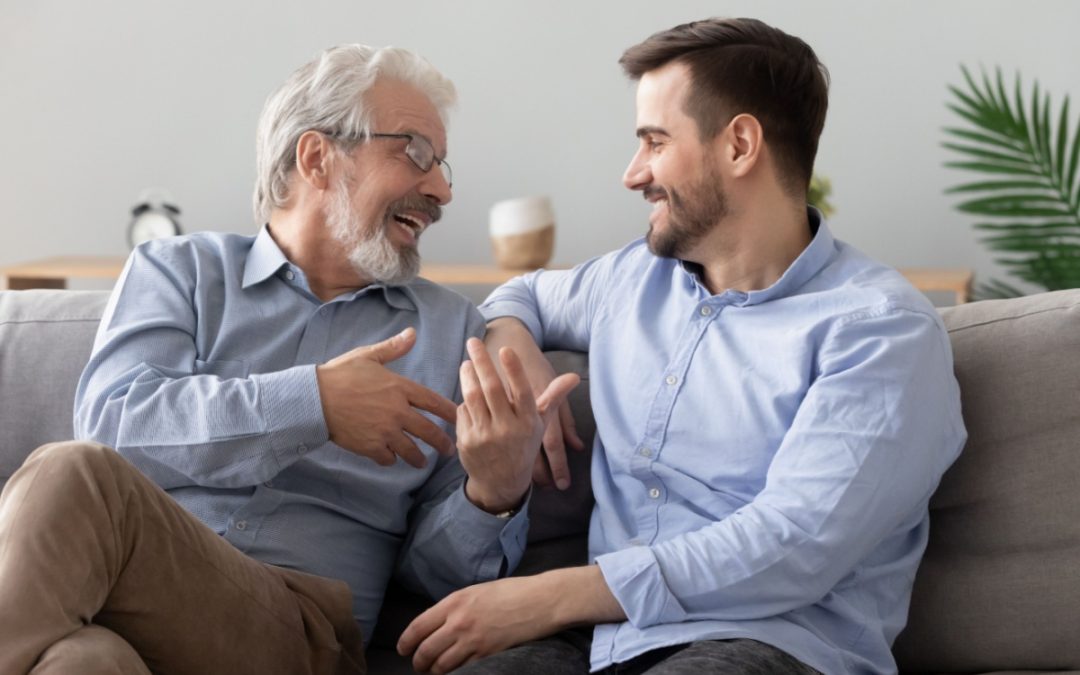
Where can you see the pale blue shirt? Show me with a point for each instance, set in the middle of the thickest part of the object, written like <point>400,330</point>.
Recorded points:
<point>203,376</point>
<point>763,461</point>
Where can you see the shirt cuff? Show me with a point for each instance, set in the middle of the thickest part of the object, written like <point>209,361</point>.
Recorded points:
<point>472,524</point>
<point>497,309</point>
<point>291,406</point>
<point>633,575</point>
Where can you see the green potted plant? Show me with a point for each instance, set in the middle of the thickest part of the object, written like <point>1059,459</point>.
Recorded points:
<point>818,194</point>
<point>1026,198</point>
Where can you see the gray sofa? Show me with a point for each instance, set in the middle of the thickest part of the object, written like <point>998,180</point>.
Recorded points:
<point>998,590</point>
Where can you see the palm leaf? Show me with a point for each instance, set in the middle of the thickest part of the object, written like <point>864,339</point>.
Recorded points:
<point>998,185</point>
<point>996,289</point>
<point>1047,229</point>
<point>1016,206</point>
<point>1028,194</point>
<point>1002,142</point>
<point>990,167</point>
<point>1016,156</point>
<point>1070,175</point>
<point>1062,136</point>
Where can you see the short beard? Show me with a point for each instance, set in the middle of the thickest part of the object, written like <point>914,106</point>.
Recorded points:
<point>370,250</point>
<point>690,218</point>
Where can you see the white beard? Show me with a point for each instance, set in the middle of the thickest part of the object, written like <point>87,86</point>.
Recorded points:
<point>373,256</point>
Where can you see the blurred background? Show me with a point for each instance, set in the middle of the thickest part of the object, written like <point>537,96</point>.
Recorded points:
<point>102,100</point>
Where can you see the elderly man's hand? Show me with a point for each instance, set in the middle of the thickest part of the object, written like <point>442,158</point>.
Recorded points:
<point>500,427</point>
<point>551,466</point>
<point>371,410</point>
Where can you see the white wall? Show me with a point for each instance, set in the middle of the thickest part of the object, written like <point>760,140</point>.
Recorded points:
<point>100,100</point>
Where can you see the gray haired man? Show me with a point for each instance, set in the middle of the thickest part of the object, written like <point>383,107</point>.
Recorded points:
<point>280,408</point>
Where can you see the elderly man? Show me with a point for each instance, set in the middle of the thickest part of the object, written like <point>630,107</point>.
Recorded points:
<point>292,393</point>
<point>773,409</point>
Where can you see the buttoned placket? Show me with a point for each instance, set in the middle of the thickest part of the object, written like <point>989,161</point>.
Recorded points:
<point>244,525</point>
<point>650,449</point>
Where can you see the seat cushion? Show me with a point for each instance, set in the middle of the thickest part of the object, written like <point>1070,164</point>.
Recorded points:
<point>45,341</point>
<point>999,587</point>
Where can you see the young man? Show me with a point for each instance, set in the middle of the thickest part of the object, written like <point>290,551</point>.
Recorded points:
<point>773,408</point>
<point>292,391</point>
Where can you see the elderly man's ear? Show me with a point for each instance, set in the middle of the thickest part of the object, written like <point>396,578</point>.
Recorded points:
<point>314,158</point>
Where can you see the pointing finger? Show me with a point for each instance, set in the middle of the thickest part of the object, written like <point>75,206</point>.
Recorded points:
<point>391,348</point>
<point>423,398</point>
<point>429,432</point>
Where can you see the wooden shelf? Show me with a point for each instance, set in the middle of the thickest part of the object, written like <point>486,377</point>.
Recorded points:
<point>55,273</point>
<point>936,279</point>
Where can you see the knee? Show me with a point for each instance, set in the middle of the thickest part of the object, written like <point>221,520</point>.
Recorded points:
<point>75,458</point>
<point>60,477</point>
<point>73,452</point>
<point>91,649</point>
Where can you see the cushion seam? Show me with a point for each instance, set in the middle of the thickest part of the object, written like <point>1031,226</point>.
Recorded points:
<point>19,322</point>
<point>987,322</point>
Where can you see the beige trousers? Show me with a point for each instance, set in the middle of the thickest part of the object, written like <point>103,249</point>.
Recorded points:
<point>102,572</point>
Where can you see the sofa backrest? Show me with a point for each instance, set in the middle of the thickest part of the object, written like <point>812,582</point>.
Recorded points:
<point>999,586</point>
<point>45,340</point>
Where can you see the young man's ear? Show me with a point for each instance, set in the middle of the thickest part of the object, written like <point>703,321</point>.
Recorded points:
<point>314,156</point>
<point>744,140</point>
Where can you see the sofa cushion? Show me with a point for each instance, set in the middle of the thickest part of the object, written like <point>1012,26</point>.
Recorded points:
<point>999,586</point>
<point>45,341</point>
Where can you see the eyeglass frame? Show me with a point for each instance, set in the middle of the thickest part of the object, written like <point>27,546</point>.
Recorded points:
<point>415,140</point>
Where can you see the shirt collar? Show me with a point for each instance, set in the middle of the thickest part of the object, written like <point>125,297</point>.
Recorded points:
<point>398,297</point>
<point>264,259</point>
<point>811,261</point>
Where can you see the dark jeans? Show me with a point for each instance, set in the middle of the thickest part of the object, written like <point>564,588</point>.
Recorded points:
<point>567,653</point>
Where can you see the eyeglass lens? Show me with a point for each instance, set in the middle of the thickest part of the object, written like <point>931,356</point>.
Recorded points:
<point>422,154</point>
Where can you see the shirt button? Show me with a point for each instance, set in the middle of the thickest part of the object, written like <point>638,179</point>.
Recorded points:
<point>269,484</point>
<point>634,542</point>
<point>671,379</point>
<point>241,525</point>
<point>301,448</point>
<point>654,493</point>
<point>706,311</point>
<point>645,452</point>
<point>289,275</point>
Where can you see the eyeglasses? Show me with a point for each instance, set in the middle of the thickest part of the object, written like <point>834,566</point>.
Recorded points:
<point>419,151</point>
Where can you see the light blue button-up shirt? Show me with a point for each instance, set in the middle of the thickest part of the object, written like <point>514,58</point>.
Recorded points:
<point>763,461</point>
<point>203,376</point>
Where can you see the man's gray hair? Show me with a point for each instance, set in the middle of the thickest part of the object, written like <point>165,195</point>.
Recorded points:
<point>327,94</point>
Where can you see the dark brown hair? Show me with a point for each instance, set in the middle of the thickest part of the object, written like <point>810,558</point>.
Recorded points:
<point>746,66</point>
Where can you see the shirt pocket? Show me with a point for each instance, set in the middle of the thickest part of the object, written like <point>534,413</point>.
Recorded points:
<point>224,368</point>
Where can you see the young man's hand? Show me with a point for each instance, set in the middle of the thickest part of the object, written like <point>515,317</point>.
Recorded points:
<point>480,620</point>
